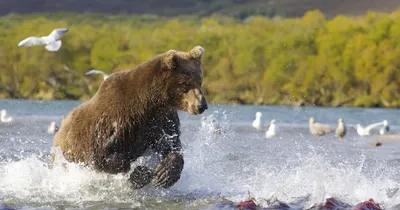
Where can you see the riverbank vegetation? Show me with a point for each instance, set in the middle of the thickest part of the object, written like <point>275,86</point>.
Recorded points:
<point>312,60</point>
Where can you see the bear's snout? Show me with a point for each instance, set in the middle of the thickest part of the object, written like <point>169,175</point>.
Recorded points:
<point>203,106</point>
<point>196,102</point>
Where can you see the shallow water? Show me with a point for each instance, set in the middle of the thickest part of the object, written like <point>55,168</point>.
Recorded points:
<point>240,160</point>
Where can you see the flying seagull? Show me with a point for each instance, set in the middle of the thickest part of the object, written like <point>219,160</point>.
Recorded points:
<point>95,71</point>
<point>51,41</point>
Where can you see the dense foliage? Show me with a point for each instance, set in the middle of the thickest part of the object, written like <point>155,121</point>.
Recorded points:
<point>236,8</point>
<point>352,61</point>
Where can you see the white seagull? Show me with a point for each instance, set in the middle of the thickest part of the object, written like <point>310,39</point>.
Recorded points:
<point>95,71</point>
<point>53,128</point>
<point>257,122</point>
<point>341,129</point>
<point>3,116</point>
<point>367,130</point>
<point>271,132</point>
<point>385,128</point>
<point>51,41</point>
<point>318,128</point>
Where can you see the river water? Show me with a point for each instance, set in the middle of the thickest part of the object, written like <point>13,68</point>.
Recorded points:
<point>230,164</point>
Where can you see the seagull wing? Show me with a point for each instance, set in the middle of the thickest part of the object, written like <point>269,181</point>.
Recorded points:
<point>372,126</point>
<point>57,33</point>
<point>32,41</point>
<point>7,119</point>
<point>54,46</point>
<point>340,130</point>
<point>95,71</point>
<point>323,127</point>
<point>272,129</point>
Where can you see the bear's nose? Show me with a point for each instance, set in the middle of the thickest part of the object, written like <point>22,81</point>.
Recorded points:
<point>202,108</point>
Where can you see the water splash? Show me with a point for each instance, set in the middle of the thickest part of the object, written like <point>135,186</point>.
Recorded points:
<point>220,161</point>
<point>32,180</point>
<point>205,149</point>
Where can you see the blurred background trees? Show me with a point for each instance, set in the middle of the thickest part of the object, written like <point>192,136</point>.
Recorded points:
<point>313,59</point>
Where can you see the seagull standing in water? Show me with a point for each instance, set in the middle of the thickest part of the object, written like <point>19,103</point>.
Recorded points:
<point>318,128</point>
<point>385,128</point>
<point>3,116</point>
<point>341,129</point>
<point>95,71</point>
<point>367,130</point>
<point>51,41</point>
<point>53,128</point>
<point>257,122</point>
<point>271,132</point>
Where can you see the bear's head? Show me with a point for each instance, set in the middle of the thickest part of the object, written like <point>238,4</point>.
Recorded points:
<point>185,79</point>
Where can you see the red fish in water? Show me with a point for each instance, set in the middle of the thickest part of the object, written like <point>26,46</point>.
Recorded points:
<point>367,205</point>
<point>247,205</point>
<point>329,204</point>
<point>333,203</point>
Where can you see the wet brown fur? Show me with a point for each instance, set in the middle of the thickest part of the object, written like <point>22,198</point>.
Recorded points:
<point>131,111</point>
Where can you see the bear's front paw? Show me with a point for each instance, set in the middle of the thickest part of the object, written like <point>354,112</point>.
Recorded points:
<point>168,171</point>
<point>140,177</point>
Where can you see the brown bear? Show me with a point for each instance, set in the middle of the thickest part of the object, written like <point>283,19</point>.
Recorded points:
<point>134,111</point>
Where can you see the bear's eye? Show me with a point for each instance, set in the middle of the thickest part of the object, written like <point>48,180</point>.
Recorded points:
<point>186,80</point>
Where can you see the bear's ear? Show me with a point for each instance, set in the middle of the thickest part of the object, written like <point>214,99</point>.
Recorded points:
<point>194,55</point>
<point>169,59</point>
<point>197,53</point>
<point>172,56</point>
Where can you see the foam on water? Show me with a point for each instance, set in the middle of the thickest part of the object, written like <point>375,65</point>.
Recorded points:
<point>203,173</point>
<point>216,164</point>
<point>318,178</point>
<point>32,180</point>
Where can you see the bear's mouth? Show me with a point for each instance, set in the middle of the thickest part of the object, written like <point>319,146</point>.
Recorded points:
<point>190,109</point>
<point>194,102</point>
<point>193,112</point>
<point>196,109</point>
